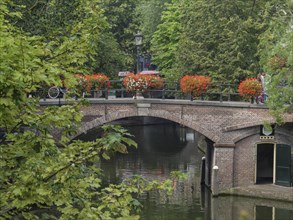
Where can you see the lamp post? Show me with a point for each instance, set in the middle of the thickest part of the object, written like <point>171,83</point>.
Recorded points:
<point>138,42</point>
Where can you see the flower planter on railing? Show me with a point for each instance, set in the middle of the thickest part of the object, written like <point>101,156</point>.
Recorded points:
<point>195,85</point>
<point>250,88</point>
<point>94,82</point>
<point>139,83</point>
<point>162,90</point>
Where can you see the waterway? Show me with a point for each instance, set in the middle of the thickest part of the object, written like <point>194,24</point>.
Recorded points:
<point>167,147</point>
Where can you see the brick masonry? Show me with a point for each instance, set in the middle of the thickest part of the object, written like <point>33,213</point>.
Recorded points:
<point>232,127</point>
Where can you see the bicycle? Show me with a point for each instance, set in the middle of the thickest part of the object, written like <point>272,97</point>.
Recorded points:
<point>55,91</point>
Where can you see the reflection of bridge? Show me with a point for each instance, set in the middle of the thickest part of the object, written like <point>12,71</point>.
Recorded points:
<point>232,130</point>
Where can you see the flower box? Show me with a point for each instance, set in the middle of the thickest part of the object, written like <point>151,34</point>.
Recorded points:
<point>195,85</point>
<point>250,88</point>
<point>142,83</point>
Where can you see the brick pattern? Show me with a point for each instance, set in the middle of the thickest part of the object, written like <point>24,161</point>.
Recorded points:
<point>221,124</point>
<point>234,130</point>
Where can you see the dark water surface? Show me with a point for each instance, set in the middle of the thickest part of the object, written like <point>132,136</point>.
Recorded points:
<point>163,148</point>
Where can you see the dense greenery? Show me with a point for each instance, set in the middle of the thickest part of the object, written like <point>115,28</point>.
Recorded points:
<point>42,42</point>
<point>165,40</point>
<point>229,41</point>
<point>276,52</point>
<point>42,176</point>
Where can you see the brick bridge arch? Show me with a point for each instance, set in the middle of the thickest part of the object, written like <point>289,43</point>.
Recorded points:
<point>232,130</point>
<point>222,123</point>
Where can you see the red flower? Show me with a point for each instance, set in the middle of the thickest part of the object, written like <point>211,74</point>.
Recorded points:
<point>195,85</point>
<point>141,82</point>
<point>249,88</point>
<point>95,81</point>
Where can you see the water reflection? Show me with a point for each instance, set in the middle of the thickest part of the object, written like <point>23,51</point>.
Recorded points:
<point>168,147</point>
<point>162,149</point>
<point>250,208</point>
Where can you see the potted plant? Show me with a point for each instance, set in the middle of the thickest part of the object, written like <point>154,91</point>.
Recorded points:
<point>195,85</point>
<point>155,82</point>
<point>98,81</point>
<point>135,83</point>
<point>139,83</point>
<point>250,88</point>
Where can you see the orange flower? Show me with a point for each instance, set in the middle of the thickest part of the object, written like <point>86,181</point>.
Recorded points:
<point>97,81</point>
<point>195,85</point>
<point>249,88</point>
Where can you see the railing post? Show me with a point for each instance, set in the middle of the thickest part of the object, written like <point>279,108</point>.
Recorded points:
<point>44,94</point>
<point>229,96</point>
<point>106,92</point>
<point>221,93</point>
<point>176,89</point>
<point>164,90</point>
<point>201,97</point>
<point>121,88</point>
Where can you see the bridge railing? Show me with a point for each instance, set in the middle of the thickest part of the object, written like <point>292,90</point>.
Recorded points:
<point>171,90</point>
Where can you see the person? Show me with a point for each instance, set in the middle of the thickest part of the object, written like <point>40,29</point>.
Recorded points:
<point>264,89</point>
<point>259,98</point>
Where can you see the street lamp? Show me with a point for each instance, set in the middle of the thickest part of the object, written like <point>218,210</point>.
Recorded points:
<point>138,42</point>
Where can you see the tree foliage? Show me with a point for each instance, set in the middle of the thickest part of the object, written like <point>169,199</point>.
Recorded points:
<point>164,43</point>
<point>149,14</point>
<point>123,24</point>
<point>41,177</point>
<point>220,39</point>
<point>276,52</point>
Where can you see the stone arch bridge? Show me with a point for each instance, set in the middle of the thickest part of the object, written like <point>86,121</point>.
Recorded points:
<point>222,123</point>
<point>232,131</point>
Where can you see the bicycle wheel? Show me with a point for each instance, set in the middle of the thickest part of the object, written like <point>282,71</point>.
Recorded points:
<point>53,92</point>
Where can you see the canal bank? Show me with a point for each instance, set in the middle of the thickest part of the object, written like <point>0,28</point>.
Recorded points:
<point>265,191</point>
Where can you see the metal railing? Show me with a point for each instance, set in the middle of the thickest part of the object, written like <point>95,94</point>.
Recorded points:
<point>171,90</point>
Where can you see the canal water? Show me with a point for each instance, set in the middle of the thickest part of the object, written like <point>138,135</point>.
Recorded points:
<point>167,147</point>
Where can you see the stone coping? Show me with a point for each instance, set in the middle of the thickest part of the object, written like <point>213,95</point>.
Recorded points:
<point>157,101</point>
<point>263,191</point>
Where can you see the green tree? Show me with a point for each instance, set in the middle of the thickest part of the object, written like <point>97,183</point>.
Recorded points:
<point>57,18</point>
<point>276,52</point>
<point>149,14</point>
<point>164,43</point>
<point>41,177</point>
<point>123,24</point>
<point>220,39</point>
